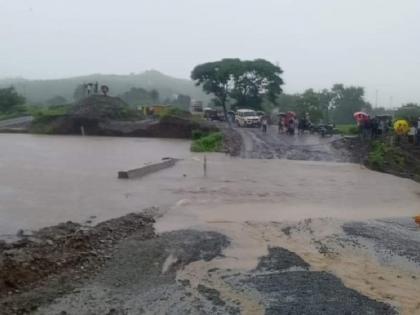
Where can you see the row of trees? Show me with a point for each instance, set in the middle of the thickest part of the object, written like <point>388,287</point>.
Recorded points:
<point>137,96</point>
<point>140,96</point>
<point>336,104</point>
<point>257,84</point>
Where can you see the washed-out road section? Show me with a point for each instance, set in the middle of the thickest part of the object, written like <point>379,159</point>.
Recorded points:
<point>264,236</point>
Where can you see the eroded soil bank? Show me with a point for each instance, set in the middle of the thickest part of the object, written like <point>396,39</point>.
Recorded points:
<point>50,262</point>
<point>320,266</point>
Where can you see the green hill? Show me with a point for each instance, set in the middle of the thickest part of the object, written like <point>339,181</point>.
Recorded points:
<point>39,91</point>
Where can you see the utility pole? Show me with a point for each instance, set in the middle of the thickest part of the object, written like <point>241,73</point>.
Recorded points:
<point>376,98</point>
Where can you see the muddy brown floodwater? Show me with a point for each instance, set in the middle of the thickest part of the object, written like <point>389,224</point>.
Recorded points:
<point>45,180</point>
<point>260,236</point>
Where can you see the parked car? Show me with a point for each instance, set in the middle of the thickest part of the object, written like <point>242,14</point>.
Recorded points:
<point>247,118</point>
<point>324,129</point>
<point>211,114</point>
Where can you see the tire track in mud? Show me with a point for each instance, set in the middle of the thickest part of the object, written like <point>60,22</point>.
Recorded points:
<point>271,145</point>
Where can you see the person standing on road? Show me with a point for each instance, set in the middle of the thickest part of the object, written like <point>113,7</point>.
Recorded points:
<point>412,133</point>
<point>264,123</point>
<point>291,126</point>
<point>418,132</point>
<point>280,124</point>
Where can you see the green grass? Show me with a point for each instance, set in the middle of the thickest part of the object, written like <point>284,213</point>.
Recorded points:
<point>383,155</point>
<point>44,116</point>
<point>48,111</point>
<point>10,115</point>
<point>347,129</point>
<point>17,111</point>
<point>174,112</point>
<point>212,142</point>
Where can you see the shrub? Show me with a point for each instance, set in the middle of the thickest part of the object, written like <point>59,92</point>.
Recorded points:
<point>197,134</point>
<point>174,112</point>
<point>384,156</point>
<point>349,129</point>
<point>376,158</point>
<point>210,143</point>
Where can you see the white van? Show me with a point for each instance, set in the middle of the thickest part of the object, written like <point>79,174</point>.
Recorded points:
<point>247,118</point>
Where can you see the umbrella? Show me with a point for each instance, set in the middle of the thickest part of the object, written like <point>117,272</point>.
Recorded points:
<point>360,116</point>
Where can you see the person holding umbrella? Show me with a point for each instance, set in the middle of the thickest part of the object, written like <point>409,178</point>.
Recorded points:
<point>363,121</point>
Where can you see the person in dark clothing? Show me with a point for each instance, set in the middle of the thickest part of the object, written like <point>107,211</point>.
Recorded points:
<point>374,125</point>
<point>291,126</point>
<point>418,132</point>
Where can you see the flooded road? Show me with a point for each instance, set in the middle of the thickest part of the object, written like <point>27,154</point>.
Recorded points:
<point>275,145</point>
<point>45,180</point>
<point>252,236</point>
<point>291,214</point>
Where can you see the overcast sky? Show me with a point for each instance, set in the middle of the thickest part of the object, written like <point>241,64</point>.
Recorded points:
<point>372,43</point>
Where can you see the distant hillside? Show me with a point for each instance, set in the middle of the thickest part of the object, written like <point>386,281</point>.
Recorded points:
<point>38,91</point>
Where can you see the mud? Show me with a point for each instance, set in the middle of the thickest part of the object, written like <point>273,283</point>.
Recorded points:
<point>49,262</point>
<point>272,145</point>
<point>286,286</point>
<point>138,280</point>
<point>232,139</point>
<point>280,259</point>
<point>300,292</point>
<point>390,237</point>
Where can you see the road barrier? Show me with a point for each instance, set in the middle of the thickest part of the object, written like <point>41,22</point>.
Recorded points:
<point>147,169</point>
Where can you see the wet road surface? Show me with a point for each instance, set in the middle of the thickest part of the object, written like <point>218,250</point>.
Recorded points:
<point>272,145</point>
<point>266,236</point>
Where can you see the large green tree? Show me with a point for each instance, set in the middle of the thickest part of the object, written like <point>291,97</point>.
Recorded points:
<point>182,101</point>
<point>345,101</point>
<point>140,96</point>
<point>254,81</point>
<point>10,100</point>
<point>310,102</point>
<point>410,111</point>
<point>245,83</point>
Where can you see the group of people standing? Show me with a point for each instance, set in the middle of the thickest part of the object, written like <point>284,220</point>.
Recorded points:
<point>414,132</point>
<point>371,128</point>
<point>288,123</point>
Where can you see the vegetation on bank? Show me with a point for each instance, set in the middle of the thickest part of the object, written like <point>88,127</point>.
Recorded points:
<point>393,159</point>
<point>347,129</point>
<point>207,142</point>
<point>174,112</point>
<point>45,116</point>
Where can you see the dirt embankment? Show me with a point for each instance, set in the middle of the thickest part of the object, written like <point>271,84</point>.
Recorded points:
<point>232,140</point>
<point>43,265</point>
<point>401,160</point>
<point>110,116</point>
<point>167,127</point>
